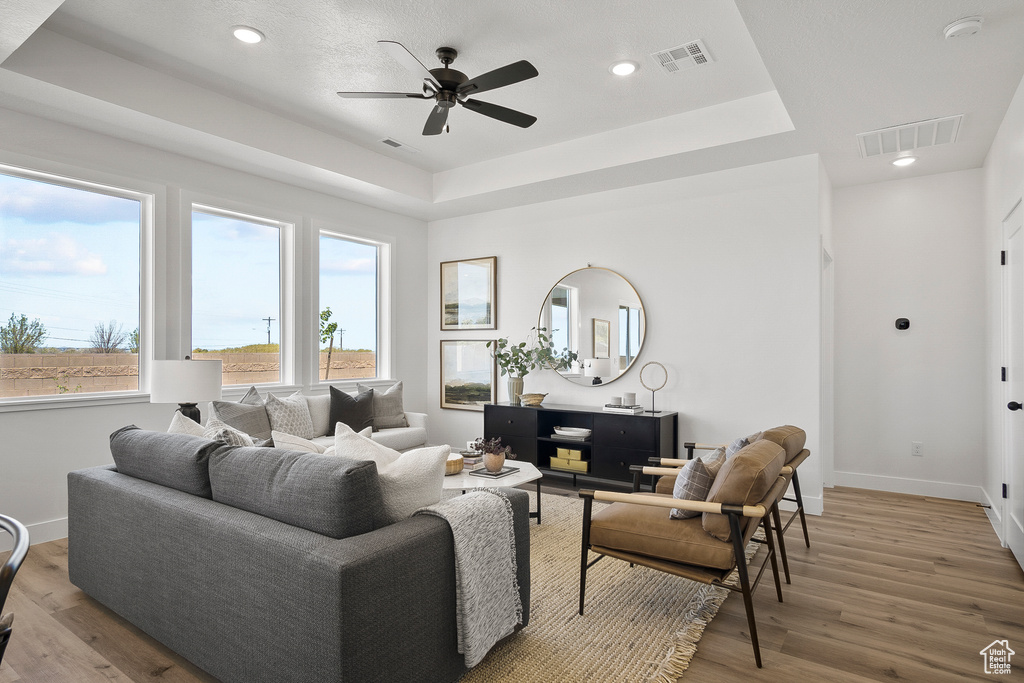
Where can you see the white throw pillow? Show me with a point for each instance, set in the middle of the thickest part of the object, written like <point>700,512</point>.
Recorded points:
<point>408,481</point>
<point>290,415</point>
<point>290,442</point>
<point>185,425</point>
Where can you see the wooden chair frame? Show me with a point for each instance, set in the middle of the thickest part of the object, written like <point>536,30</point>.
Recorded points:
<point>717,577</point>
<point>20,534</point>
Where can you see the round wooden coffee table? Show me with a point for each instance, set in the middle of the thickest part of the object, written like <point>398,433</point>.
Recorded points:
<point>527,473</point>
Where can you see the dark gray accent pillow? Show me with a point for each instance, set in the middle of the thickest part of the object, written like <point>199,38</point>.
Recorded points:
<point>336,497</point>
<point>251,419</point>
<point>355,411</point>
<point>178,461</point>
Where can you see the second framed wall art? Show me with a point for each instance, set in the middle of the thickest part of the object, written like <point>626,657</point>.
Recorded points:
<point>468,294</point>
<point>468,374</point>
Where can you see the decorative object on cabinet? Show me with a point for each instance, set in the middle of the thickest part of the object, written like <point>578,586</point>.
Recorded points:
<point>468,374</point>
<point>532,399</point>
<point>517,360</point>
<point>468,294</point>
<point>615,441</point>
<point>618,328</point>
<point>596,368</point>
<point>650,379</point>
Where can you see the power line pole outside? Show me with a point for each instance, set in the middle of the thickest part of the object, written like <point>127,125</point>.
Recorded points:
<point>268,327</point>
<point>341,339</point>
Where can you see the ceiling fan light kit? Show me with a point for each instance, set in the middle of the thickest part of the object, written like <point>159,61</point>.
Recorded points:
<point>449,87</point>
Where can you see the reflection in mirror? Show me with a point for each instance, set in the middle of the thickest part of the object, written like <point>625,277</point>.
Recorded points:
<point>596,320</point>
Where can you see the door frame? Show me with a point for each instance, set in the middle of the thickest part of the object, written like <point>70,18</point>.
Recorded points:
<point>999,504</point>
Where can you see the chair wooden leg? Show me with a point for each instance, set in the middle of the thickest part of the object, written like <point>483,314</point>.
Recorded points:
<point>741,569</point>
<point>800,507</point>
<point>781,536</point>
<point>772,555</point>
<point>588,504</point>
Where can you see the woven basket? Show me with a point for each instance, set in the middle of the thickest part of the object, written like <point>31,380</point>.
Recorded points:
<point>453,465</point>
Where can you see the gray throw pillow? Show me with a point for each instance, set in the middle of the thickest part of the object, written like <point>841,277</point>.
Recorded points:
<point>714,461</point>
<point>250,418</point>
<point>737,445</point>
<point>388,411</point>
<point>355,411</point>
<point>692,483</point>
<point>218,431</point>
<point>290,415</point>
<point>336,497</point>
<point>178,461</point>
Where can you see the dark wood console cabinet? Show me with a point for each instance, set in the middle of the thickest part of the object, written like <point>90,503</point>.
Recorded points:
<point>616,441</point>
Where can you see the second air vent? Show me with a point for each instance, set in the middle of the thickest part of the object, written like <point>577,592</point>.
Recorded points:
<point>686,56</point>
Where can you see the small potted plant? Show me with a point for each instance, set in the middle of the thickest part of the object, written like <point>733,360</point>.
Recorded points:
<point>494,453</point>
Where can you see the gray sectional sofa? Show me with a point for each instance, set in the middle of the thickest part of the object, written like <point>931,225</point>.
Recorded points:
<point>259,564</point>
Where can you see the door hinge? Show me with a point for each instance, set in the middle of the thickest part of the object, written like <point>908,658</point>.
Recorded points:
<point>1002,374</point>
<point>1004,491</point>
<point>1002,257</point>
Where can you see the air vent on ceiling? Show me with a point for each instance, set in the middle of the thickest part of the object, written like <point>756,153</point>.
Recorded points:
<point>686,56</point>
<point>909,136</point>
<point>391,142</point>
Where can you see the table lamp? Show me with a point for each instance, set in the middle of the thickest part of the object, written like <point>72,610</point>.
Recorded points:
<point>185,382</point>
<point>597,368</point>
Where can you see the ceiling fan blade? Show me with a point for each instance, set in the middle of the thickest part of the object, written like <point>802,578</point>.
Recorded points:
<point>435,122</point>
<point>414,95</point>
<point>499,78</point>
<point>401,55</point>
<point>516,118</point>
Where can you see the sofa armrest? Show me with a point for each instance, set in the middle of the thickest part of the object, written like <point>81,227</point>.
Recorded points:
<point>416,419</point>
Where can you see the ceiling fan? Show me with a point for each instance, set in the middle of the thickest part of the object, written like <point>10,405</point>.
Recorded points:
<point>448,87</point>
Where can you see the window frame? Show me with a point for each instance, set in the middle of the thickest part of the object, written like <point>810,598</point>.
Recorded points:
<point>150,197</point>
<point>385,323</point>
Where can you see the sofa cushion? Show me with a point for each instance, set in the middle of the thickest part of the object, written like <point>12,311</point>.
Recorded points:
<point>388,411</point>
<point>355,411</point>
<point>789,437</point>
<point>649,531</point>
<point>290,415</point>
<point>290,442</point>
<point>336,497</point>
<point>246,416</point>
<point>743,480</point>
<point>320,413</point>
<point>178,461</point>
<point>401,438</point>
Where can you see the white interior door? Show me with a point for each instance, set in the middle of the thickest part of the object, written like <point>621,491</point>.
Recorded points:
<point>1013,469</point>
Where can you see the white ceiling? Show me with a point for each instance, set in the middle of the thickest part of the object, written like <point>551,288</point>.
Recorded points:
<point>789,77</point>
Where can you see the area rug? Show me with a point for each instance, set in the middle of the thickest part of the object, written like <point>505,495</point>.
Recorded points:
<point>638,624</point>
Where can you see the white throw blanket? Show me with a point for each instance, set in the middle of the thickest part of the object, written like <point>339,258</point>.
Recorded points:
<point>488,606</point>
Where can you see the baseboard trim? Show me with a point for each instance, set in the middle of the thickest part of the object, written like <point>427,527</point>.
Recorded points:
<point>39,533</point>
<point>916,487</point>
<point>994,513</point>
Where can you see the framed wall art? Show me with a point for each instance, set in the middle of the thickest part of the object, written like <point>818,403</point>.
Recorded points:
<point>602,335</point>
<point>468,294</point>
<point>468,374</point>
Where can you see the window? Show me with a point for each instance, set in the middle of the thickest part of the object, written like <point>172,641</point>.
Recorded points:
<point>236,294</point>
<point>70,285</point>
<point>349,301</point>
<point>629,335</point>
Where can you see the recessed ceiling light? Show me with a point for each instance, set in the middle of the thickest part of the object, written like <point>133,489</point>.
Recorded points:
<point>247,34</point>
<point>623,68</point>
<point>904,161</point>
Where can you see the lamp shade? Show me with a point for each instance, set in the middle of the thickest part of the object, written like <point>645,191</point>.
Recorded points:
<point>597,367</point>
<point>184,381</point>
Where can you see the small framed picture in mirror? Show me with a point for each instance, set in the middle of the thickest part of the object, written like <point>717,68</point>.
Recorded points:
<point>602,333</point>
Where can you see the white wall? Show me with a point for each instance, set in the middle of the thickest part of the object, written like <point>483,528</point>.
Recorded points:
<point>1004,187</point>
<point>39,447</point>
<point>727,267</point>
<point>911,248</point>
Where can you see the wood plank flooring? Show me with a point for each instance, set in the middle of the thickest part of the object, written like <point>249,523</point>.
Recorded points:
<point>894,587</point>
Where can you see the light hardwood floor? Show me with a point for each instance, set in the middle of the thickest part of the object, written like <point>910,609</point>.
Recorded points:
<point>893,587</point>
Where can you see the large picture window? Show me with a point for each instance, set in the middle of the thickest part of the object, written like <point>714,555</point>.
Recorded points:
<point>349,308</point>
<point>236,294</point>
<point>69,286</point>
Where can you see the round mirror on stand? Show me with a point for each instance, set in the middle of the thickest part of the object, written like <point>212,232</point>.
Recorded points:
<point>597,323</point>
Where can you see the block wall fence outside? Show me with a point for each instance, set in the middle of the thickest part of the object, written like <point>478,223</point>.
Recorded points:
<point>45,374</point>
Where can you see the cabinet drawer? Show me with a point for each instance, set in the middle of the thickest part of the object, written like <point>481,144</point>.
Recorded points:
<point>613,463</point>
<point>625,431</point>
<point>506,420</point>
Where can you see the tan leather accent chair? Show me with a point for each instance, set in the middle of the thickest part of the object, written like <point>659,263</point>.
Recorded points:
<point>636,528</point>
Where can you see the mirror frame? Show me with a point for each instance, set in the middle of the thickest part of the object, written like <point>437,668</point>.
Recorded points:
<point>643,308</point>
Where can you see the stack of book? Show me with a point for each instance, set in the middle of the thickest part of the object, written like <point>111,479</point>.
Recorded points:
<point>625,410</point>
<point>472,460</point>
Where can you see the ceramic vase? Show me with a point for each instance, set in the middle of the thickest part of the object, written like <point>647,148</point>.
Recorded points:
<point>515,390</point>
<point>493,462</point>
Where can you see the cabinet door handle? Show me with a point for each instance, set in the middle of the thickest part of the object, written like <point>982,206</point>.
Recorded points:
<point>510,421</point>
<point>622,464</point>
<point>622,431</point>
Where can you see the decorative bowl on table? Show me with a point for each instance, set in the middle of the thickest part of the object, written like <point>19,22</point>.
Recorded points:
<point>453,465</point>
<point>532,399</point>
<point>578,432</point>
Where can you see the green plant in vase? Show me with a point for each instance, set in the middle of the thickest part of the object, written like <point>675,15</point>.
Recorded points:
<point>517,360</point>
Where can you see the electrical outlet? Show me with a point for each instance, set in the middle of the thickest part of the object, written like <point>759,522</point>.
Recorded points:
<point>917,448</point>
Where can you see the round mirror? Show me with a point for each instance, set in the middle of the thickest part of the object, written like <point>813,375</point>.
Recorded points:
<point>596,321</point>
